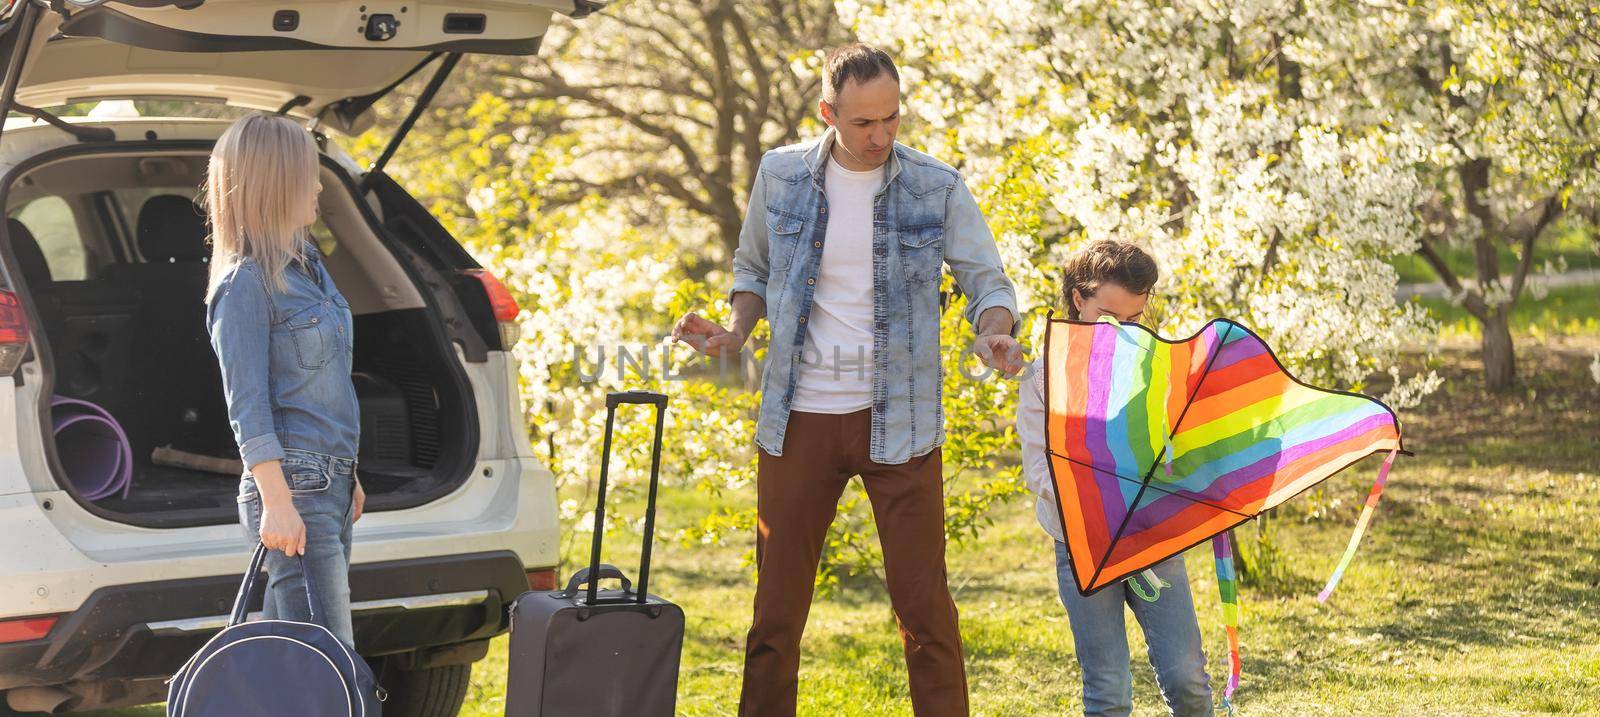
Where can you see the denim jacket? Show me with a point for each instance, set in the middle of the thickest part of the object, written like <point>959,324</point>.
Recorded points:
<point>286,361</point>
<point>923,219</point>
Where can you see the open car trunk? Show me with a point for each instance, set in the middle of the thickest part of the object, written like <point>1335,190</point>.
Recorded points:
<point>109,247</point>
<point>112,249</point>
<point>322,60</point>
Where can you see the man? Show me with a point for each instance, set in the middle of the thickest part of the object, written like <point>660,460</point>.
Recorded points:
<point>842,249</point>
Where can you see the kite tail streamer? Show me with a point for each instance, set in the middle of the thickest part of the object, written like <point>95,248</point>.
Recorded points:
<point>1228,586</point>
<point>1361,527</point>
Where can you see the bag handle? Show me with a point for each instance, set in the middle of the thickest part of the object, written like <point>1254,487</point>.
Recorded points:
<point>241,603</point>
<point>613,400</point>
<point>585,577</point>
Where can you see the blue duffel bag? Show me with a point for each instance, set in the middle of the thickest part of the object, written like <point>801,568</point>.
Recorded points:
<point>273,668</point>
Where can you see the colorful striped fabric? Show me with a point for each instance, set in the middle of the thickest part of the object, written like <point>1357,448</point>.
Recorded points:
<point>1361,527</point>
<point>1228,588</point>
<point>1156,445</point>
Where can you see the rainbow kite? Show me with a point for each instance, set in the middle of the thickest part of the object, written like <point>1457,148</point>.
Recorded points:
<point>1156,446</point>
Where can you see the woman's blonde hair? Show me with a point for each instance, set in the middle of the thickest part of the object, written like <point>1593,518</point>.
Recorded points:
<point>260,171</point>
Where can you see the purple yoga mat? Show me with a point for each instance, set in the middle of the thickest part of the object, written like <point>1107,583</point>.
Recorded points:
<point>93,449</point>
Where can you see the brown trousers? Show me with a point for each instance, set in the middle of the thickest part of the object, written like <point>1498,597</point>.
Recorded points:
<point>797,496</point>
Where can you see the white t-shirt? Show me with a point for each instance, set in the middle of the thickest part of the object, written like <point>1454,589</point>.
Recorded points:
<point>835,374</point>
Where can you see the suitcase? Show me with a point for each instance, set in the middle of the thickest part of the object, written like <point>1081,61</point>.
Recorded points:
<point>593,652</point>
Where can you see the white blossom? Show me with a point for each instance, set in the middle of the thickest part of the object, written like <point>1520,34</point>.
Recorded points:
<point>1273,210</point>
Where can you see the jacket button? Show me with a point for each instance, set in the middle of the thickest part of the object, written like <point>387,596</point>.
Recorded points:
<point>824,210</point>
<point>802,319</point>
<point>314,319</point>
<point>816,244</point>
<point>811,282</point>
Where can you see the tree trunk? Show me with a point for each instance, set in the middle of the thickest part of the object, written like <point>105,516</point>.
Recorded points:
<point>1499,355</point>
<point>729,224</point>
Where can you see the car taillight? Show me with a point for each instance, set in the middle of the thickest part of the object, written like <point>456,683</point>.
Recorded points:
<point>543,580</point>
<point>504,306</point>
<point>28,628</point>
<point>13,333</point>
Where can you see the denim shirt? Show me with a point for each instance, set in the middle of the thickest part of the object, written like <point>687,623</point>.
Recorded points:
<point>923,219</point>
<point>286,361</point>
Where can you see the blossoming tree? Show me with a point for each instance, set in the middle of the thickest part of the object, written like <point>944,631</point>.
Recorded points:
<point>1191,128</point>
<point>1274,154</point>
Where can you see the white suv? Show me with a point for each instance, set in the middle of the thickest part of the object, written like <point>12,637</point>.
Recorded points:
<point>120,554</point>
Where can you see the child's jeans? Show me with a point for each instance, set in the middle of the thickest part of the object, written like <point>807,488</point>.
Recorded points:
<point>1101,641</point>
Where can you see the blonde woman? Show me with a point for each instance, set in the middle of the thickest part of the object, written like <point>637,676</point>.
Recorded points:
<point>283,337</point>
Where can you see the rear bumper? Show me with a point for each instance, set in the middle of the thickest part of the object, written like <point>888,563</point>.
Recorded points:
<point>147,630</point>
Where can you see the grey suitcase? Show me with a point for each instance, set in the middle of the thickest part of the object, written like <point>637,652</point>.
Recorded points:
<point>592,652</point>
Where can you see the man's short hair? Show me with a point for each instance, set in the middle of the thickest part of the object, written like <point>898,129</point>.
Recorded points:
<point>855,61</point>
<point>1107,261</point>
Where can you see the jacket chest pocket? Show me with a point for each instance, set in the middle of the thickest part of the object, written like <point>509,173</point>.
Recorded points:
<point>784,234</point>
<point>314,335</point>
<point>783,240</point>
<point>922,252</point>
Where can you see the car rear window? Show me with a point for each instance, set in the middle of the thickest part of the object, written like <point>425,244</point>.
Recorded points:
<point>56,229</point>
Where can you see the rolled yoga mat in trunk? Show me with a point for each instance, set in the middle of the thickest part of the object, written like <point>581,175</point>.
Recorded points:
<point>92,447</point>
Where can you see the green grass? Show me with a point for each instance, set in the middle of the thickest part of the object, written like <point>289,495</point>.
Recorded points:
<point>1576,244</point>
<point>1474,592</point>
<point>1565,311</point>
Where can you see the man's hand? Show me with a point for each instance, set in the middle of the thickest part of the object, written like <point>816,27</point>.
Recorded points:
<point>1001,353</point>
<point>707,336</point>
<point>994,346</point>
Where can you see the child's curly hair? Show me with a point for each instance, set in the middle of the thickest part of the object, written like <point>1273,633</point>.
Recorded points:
<point>1103,261</point>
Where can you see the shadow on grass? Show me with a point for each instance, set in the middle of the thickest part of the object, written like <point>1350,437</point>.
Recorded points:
<point>1548,422</point>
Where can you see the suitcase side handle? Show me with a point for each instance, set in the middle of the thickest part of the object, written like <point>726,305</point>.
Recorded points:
<point>606,572</point>
<point>613,400</point>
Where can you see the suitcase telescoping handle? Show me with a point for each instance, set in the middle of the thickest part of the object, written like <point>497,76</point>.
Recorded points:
<point>607,572</point>
<point>612,401</point>
<point>617,398</point>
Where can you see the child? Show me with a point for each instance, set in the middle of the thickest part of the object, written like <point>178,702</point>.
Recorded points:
<point>1113,279</point>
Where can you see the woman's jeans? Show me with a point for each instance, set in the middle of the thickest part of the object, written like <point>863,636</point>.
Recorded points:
<point>1100,639</point>
<point>321,488</point>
